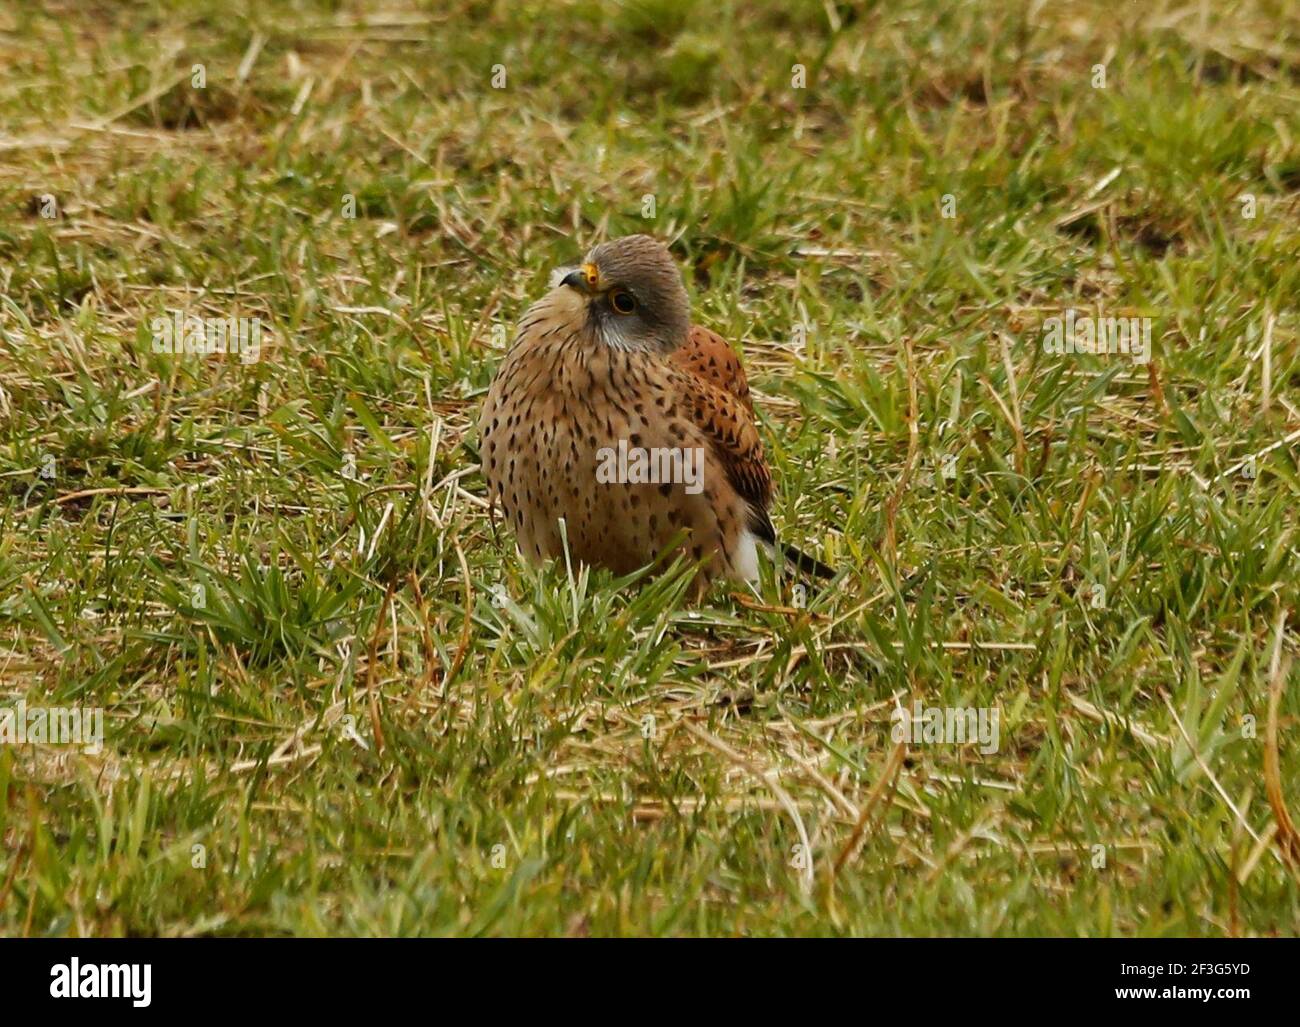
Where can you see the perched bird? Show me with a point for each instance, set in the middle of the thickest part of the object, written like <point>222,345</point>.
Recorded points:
<point>612,412</point>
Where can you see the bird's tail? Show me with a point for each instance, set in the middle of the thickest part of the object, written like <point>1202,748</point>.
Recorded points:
<point>804,563</point>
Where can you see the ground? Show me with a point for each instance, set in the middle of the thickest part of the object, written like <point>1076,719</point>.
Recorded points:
<point>336,702</point>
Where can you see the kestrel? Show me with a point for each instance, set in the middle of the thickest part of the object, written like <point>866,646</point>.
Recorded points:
<point>613,413</point>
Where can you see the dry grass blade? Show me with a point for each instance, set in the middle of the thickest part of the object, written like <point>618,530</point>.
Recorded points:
<point>1288,838</point>
<point>467,628</point>
<point>886,781</point>
<point>770,780</point>
<point>913,449</point>
<point>372,690</point>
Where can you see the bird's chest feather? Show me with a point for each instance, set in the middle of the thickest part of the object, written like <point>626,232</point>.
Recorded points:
<point>579,433</point>
<point>574,407</point>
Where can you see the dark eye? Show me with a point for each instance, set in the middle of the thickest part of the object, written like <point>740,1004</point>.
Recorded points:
<point>622,301</point>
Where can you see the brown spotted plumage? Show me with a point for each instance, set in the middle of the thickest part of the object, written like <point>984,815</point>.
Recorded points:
<point>706,355</point>
<point>607,362</point>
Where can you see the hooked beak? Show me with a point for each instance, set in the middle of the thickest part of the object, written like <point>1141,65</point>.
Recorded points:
<point>585,278</point>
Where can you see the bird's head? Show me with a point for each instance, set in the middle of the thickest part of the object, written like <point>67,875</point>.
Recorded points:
<point>633,293</point>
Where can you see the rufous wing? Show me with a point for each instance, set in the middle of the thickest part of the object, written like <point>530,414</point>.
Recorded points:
<point>706,355</point>
<point>717,401</point>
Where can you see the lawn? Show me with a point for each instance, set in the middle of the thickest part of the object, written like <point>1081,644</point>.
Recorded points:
<point>334,699</point>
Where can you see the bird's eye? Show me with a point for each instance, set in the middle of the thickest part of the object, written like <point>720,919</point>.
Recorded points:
<point>622,301</point>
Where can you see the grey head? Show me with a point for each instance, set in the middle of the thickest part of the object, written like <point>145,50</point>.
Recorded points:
<point>634,293</point>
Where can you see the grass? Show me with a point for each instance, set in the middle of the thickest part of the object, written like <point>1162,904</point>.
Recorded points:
<point>335,704</point>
